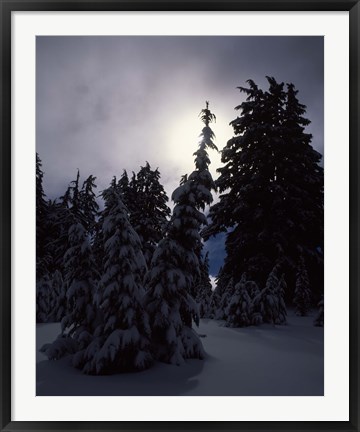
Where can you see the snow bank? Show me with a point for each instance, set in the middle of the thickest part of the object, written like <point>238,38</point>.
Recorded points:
<point>256,361</point>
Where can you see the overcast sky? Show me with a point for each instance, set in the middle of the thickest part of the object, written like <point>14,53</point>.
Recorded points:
<point>104,104</point>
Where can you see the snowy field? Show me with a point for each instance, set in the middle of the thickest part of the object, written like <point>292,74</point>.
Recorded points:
<point>257,361</point>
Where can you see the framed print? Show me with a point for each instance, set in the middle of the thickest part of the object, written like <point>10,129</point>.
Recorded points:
<point>179,215</point>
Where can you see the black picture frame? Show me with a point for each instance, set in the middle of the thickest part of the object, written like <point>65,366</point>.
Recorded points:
<point>9,6</point>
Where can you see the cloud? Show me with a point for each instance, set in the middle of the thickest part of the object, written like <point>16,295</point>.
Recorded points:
<point>109,103</point>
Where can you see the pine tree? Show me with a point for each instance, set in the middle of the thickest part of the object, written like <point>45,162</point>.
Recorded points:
<point>319,320</point>
<point>201,177</point>
<point>203,288</point>
<point>176,262</point>
<point>46,274</point>
<point>61,216</point>
<point>80,280</point>
<point>224,293</point>
<point>89,208</point>
<point>44,296</point>
<point>150,211</point>
<point>254,290</point>
<point>59,222</point>
<point>123,186</point>
<point>202,185</point>
<point>41,223</point>
<point>271,185</point>
<point>240,309</point>
<point>214,303</point>
<point>173,267</point>
<point>60,305</point>
<point>304,205</point>
<point>280,292</point>
<point>121,340</point>
<point>269,303</point>
<point>302,297</point>
<point>98,242</point>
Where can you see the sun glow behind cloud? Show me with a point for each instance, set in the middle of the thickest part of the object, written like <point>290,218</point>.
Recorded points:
<point>184,137</point>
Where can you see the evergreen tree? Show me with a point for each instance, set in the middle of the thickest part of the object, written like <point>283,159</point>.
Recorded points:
<point>43,281</point>
<point>127,188</point>
<point>319,320</point>
<point>224,293</point>
<point>150,212</point>
<point>44,296</point>
<point>88,206</point>
<point>80,277</point>
<point>203,288</point>
<point>254,290</point>
<point>59,222</point>
<point>302,297</point>
<point>121,340</point>
<point>123,185</point>
<point>62,215</point>
<point>176,262</point>
<point>41,223</point>
<point>202,184</point>
<point>240,309</point>
<point>214,303</point>
<point>98,242</point>
<point>280,292</point>
<point>271,187</point>
<point>173,267</point>
<point>201,177</point>
<point>60,305</point>
<point>269,303</point>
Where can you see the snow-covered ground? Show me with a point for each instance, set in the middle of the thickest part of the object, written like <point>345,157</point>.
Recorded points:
<point>257,361</point>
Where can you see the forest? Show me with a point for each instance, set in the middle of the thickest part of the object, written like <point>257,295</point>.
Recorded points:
<point>126,273</point>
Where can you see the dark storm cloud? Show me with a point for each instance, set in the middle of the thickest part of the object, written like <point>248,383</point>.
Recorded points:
<point>108,103</point>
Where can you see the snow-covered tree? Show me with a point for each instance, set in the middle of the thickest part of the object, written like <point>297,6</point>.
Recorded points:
<point>302,297</point>
<point>203,288</point>
<point>41,223</point>
<point>319,320</point>
<point>240,309</point>
<point>280,292</point>
<point>98,242</point>
<point>62,214</point>
<point>121,339</point>
<point>201,178</point>
<point>149,209</point>
<point>202,185</point>
<point>254,290</point>
<point>175,263</point>
<point>45,295</point>
<point>44,298</point>
<point>123,186</point>
<point>224,293</point>
<point>80,280</point>
<point>269,303</point>
<point>89,207</point>
<point>214,303</point>
<point>271,185</point>
<point>60,304</point>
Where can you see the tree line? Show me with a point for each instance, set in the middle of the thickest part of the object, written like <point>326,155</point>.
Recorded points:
<point>129,281</point>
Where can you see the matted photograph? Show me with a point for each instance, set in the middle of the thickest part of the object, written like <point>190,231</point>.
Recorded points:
<point>179,216</point>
